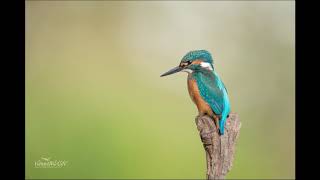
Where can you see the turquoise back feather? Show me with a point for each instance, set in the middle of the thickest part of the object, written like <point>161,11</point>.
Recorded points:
<point>213,91</point>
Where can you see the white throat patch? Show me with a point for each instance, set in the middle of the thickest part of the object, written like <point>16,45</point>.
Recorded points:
<point>206,65</point>
<point>187,70</point>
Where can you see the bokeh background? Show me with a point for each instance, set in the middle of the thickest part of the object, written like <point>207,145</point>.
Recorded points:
<point>94,96</point>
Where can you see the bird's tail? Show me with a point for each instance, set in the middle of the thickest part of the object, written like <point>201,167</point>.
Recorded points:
<point>222,123</point>
<point>225,112</point>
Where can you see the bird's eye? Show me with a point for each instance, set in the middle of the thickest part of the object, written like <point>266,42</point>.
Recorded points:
<point>184,64</point>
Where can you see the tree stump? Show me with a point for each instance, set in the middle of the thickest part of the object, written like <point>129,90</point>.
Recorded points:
<point>219,149</point>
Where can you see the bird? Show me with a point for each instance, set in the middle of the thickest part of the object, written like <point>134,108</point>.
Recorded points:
<point>205,87</point>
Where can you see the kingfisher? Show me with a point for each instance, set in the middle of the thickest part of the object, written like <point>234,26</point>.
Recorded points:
<point>205,87</point>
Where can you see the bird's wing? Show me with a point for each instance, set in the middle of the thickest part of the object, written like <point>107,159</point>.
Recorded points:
<point>211,90</point>
<point>225,87</point>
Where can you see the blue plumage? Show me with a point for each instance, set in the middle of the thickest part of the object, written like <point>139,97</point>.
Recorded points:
<point>199,54</point>
<point>213,91</point>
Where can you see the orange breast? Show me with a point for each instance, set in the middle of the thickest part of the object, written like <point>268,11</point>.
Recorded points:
<point>203,107</point>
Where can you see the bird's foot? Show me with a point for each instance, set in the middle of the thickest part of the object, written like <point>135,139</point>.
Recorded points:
<point>215,118</point>
<point>216,121</point>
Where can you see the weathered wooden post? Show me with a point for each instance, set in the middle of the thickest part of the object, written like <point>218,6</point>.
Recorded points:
<point>220,150</point>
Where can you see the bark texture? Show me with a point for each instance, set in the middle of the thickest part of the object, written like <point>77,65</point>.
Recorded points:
<point>219,149</point>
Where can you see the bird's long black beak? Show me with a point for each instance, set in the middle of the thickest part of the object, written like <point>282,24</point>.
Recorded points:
<point>172,71</point>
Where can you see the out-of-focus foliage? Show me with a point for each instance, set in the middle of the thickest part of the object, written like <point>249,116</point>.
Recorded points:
<point>94,96</point>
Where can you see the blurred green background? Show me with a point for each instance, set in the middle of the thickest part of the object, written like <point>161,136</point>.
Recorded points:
<point>94,96</point>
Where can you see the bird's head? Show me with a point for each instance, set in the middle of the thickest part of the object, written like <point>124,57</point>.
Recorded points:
<point>198,60</point>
